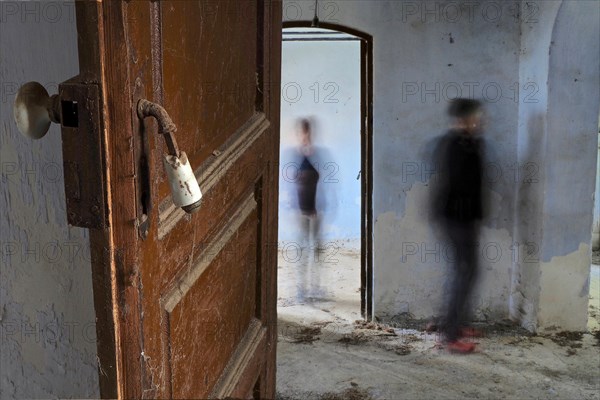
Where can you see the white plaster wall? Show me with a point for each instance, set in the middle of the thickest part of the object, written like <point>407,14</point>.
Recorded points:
<point>321,80</point>
<point>536,35</point>
<point>47,320</point>
<point>557,136</point>
<point>543,57</point>
<point>569,173</point>
<point>425,54</point>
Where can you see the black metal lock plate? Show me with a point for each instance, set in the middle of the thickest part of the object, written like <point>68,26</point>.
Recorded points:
<point>83,155</point>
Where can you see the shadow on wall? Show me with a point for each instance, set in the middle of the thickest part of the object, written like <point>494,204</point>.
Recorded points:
<point>525,273</point>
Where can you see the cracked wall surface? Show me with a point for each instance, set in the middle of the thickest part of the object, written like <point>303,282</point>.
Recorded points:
<point>558,134</point>
<point>541,219</point>
<point>47,320</point>
<point>541,167</point>
<point>565,288</point>
<point>422,264</point>
<point>422,58</point>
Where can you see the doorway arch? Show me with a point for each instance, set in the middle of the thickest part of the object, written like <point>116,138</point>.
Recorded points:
<point>366,141</point>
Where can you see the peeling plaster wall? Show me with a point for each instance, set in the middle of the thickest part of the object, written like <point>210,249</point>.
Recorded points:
<point>536,35</point>
<point>47,320</point>
<point>557,139</point>
<point>424,260</point>
<point>557,135</point>
<point>570,170</point>
<point>541,168</point>
<point>564,283</point>
<point>424,55</point>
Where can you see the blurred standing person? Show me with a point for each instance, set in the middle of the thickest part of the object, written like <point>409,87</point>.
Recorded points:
<point>458,208</point>
<point>307,160</point>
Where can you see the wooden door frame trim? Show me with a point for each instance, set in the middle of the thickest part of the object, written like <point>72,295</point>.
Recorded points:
<point>366,134</point>
<point>102,260</point>
<point>115,276</point>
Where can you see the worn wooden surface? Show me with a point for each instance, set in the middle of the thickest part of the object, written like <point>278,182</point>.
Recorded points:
<point>193,309</point>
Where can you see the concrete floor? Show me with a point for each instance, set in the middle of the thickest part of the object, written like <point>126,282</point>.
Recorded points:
<point>325,353</point>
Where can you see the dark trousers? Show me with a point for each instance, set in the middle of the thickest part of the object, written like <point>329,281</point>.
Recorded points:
<point>463,236</point>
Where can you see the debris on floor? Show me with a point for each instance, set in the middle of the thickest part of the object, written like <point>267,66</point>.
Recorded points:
<point>362,324</point>
<point>307,335</point>
<point>354,338</point>
<point>353,393</point>
<point>325,352</point>
<point>565,338</point>
<point>403,349</point>
<point>414,364</point>
<point>596,257</point>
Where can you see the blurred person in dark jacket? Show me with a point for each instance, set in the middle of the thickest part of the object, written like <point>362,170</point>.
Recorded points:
<point>458,209</point>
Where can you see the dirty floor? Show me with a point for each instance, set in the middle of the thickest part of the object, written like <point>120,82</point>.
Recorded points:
<point>326,352</point>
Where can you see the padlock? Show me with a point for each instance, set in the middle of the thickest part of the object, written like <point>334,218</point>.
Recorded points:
<point>185,190</point>
<point>184,186</point>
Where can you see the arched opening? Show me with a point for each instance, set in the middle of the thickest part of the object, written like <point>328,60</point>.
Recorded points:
<point>327,79</point>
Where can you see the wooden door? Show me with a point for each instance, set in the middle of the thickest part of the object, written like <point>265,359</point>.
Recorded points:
<point>186,304</point>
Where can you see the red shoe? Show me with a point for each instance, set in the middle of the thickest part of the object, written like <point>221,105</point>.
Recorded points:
<point>470,332</point>
<point>460,347</point>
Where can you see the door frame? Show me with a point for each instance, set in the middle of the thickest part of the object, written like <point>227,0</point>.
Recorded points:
<point>366,149</point>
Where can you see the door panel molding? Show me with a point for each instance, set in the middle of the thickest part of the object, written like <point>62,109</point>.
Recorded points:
<point>172,302</point>
<point>186,280</point>
<point>214,168</point>
<point>240,362</point>
<point>144,351</point>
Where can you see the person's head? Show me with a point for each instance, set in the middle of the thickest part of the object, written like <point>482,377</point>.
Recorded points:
<point>467,114</point>
<point>303,131</point>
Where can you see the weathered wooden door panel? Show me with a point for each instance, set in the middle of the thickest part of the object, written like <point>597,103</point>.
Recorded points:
<point>217,70</point>
<point>192,297</point>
